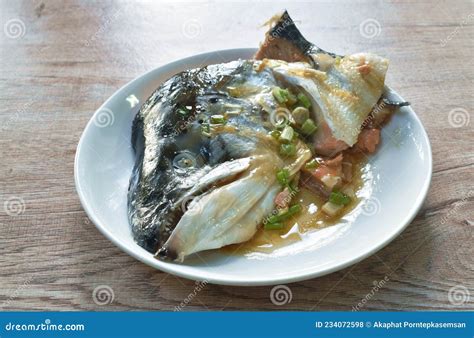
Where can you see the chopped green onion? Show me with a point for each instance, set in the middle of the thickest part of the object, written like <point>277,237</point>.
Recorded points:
<point>182,111</point>
<point>308,127</point>
<point>206,130</point>
<point>287,135</point>
<point>293,186</point>
<point>275,134</point>
<point>274,219</point>
<point>281,211</point>
<point>281,95</point>
<point>331,209</point>
<point>292,210</point>
<point>217,119</point>
<point>282,176</point>
<point>288,149</point>
<point>339,198</point>
<point>273,226</point>
<point>300,115</point>
<point>312,164</point>
<point>280,125</point>
<point>304,101</point>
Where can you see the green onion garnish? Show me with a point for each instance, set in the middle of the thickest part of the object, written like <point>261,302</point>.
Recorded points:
<point>287,149</point>
<point>273,219</point>
<point>292,210</point>
<point>308,127</point>
<point>300,114</point>
<point>287,135</point>
<point>312,164</point>
<point>182,111</point>
<point>281,95</point>
<point>304,101</point>
<point>339,198</point>
<point>293,186</point>
<point>217,119</point>
<point>275,134</point>
<point>206,129</point>
<point>273,226</point>
<point>282,176</point>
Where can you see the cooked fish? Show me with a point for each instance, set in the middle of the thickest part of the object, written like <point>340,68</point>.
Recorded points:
<point>211,143</point>
<point>184,153</point>
<point>345,88</point>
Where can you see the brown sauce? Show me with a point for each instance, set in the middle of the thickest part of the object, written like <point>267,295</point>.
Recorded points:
<point>311,218</point>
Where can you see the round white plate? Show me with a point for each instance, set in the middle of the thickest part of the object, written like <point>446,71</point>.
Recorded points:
<point>400,171</point>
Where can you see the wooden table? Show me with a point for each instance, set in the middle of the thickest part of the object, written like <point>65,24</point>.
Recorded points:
<point>60,60</point>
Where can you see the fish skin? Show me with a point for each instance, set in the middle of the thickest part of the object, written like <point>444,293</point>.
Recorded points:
<point>154,212</point>
<point>283,34</point>
<point>156,138</point>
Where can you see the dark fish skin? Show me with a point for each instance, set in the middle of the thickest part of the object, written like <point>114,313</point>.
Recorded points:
<point>160,133</point>
<point>285,42</point>
<point>285,28</point>
<point>146,202</point>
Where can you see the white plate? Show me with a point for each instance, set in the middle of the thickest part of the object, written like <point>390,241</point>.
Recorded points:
<point>400,169</point>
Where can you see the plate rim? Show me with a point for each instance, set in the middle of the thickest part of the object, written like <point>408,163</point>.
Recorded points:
<point>210,277</point>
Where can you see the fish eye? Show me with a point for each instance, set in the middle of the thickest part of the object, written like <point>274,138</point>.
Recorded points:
<point>184,160</point>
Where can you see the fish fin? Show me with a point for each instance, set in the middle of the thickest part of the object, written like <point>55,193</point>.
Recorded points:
<point>285,42</point>
<point>204,226</point>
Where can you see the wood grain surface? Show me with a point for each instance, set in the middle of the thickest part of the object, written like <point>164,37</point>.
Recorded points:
<point>60,60</point>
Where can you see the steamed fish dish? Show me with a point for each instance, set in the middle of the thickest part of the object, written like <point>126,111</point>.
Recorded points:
<point>224,151</point>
